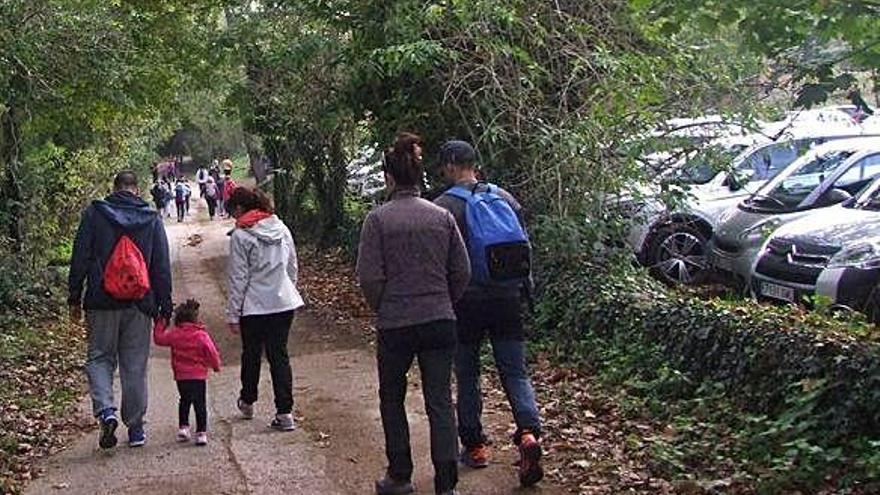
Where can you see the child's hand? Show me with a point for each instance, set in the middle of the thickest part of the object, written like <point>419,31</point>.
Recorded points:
<point>235,328</point>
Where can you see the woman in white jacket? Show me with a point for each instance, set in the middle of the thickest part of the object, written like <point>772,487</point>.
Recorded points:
<point>262,299</point>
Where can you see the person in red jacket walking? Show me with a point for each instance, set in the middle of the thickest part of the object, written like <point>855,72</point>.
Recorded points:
<point>192,353</point>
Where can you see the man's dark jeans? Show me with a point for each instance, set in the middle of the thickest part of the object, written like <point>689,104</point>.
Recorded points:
<point>501,321</point>
<point>434,346</point>
<point>267,332</point>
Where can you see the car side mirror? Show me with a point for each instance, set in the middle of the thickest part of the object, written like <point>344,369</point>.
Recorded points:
<point>732,182</point>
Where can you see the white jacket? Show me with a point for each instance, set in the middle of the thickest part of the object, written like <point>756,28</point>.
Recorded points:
<point>262,271</point>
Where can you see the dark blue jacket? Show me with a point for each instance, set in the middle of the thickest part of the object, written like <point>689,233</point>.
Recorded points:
<point>103,222</point>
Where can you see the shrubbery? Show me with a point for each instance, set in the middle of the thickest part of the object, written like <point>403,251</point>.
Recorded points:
<point>798,393</point>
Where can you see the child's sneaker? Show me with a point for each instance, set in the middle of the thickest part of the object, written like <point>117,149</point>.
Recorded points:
<point>109,423</point>
<point>183,434</point>
<point>136,437</point>
<point>201,438</point>
<point>247,410</point>
<point>283,422</point>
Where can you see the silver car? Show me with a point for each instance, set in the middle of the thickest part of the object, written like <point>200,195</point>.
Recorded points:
<point>827,175</point>
<point>833,253</point>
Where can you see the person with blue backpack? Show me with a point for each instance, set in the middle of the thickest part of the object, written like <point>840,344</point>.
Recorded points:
<point>489,219</point>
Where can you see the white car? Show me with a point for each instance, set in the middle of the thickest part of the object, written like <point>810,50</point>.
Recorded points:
<point>673,241</point>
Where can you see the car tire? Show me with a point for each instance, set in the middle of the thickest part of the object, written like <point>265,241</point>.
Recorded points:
<point>678,255</point>
<point>872,305</point>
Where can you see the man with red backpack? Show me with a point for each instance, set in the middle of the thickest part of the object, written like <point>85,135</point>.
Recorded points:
<point>121,256</point>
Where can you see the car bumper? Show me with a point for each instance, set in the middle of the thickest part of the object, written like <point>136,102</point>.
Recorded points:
<point>736,264</point>
<point>771,289</point>
<point>851,288</point>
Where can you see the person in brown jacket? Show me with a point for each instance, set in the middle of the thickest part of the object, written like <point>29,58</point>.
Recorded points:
<point>412,267</point>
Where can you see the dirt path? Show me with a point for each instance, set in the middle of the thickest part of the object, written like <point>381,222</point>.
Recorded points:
<point>337,449</point>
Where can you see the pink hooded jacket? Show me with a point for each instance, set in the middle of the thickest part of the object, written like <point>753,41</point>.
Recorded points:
<point>192,350</point>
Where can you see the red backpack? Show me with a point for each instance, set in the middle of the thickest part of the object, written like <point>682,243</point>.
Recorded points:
<point>126,276</point>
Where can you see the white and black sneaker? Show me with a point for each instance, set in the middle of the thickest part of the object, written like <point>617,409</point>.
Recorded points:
<point>109,423</point>
<point>283,422</point>
<point>247,410</point>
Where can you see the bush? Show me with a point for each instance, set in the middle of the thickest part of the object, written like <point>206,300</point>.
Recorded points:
<point>806,387</point>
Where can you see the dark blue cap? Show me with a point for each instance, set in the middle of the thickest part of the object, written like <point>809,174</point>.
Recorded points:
<point>457,152</point>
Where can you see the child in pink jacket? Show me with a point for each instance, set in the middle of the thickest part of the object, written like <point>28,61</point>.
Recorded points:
<point>192,353</point>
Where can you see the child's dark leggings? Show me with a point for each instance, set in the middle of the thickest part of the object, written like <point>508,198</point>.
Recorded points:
<point>192,392</point>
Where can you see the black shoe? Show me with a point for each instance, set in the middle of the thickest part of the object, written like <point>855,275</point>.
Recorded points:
<point>390,486</point>
<point>108,430</point>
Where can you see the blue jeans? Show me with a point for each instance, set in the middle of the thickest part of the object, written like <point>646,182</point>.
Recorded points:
<point>500,320</point>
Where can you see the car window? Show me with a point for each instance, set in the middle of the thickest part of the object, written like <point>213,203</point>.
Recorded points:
<point>704,165</point>
<point>859,174</point>
<point>770,160</point>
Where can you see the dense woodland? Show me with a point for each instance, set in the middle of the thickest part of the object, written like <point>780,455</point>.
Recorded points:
<point>551,93</point>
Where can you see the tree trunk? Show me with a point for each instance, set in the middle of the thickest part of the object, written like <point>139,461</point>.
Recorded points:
<point>333,193</point>
<point>10,160</point>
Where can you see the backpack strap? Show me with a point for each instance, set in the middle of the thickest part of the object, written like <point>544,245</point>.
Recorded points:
<point>466,194</point>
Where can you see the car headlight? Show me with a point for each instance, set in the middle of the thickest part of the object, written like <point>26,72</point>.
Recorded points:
<point>758,233</point>
<point>863,255</point>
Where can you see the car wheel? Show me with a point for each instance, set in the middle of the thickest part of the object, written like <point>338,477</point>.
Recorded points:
<point>678,255</point>
<point>872,305</point>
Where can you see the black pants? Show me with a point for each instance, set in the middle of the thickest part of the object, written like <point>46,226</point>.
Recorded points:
<point>434,345</point>
<point>212,206</point>
<point>181,210</point>
<point>192,393</point>
<point>267,332</point>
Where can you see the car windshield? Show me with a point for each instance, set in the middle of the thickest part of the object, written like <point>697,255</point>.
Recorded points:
<point>786,193</point>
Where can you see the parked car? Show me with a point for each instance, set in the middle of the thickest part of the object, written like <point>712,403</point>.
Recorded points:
<point>674,242</point>
<point>833,253</point>
<point>827,175</point>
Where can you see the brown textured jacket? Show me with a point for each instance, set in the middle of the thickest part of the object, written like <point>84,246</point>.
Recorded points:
<point>412,262</point>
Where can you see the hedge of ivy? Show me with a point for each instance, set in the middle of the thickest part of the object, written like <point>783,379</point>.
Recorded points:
<point>813,381</point>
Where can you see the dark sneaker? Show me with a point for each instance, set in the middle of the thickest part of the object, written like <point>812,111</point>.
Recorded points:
<point>530,471</point>
<point>247,410</point>
<point>283,422</point>
<point>476,457</point>
<point>136,437</point>
<point>109,423</point>
<point>390,486</point>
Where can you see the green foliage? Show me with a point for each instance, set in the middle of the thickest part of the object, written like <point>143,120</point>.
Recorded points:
<point>787,400</point>
<point>819,45</point>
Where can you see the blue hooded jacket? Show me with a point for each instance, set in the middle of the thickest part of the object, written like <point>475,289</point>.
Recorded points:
<point>103,223</point>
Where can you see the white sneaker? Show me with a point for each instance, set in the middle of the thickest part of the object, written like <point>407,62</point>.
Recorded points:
<point>201,438</point>
<point>183,434</point>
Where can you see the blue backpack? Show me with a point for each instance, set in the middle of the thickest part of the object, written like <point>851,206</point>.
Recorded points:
<point>497,244</point>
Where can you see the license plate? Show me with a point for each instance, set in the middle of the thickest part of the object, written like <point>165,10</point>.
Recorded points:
<point>777,291</point>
